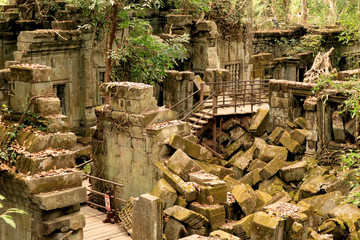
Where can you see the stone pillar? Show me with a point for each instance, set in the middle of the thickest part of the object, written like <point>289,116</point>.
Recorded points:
<point>130,137</point>
<point>177,86</point>
<point>147,218</point>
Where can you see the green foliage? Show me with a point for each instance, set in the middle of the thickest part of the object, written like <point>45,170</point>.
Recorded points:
<point>8,218</point>
<point>308,43</point>
<point>144,57</point>
<point>191,6</point>
<point>350,163</point>
<point>87,168</point>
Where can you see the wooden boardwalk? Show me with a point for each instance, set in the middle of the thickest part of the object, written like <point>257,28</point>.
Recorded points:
<point>95,229</point>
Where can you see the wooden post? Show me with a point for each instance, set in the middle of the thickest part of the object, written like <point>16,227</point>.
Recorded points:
<point>202,95</point>
<point>215,103</point>
<point>214,134</point>
<point>115,207</point>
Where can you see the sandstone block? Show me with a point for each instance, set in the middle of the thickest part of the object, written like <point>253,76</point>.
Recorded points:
<point>219,234</point>
<point>338,127</point>
<point>188,191</point>
<point>292,145</point>
<point>205,179</point>
<point>294,172</point>
<point>212,195</point>
<point>30,73</point>
<point>189,217</point>
<point>243,227</point>
<point>273,166</point>
<point>301,122</point>
<point>174,229</point>
<point>275,136</point>
<point>267,227</point>
<point>50,201</point>
<point>246,198</point>
<point>299,135</point>
<point>128,90</point>
<point>192,149</point>
<point>147,218</point>
<point>137,106</point>
<point>236,133</point>
<point>46,106</point>
<point>182,165</point>
<point>74,221</point>
<point>259,122</point>
<point>272,186</point>
<point>165,192</point>
<point>214,213</point>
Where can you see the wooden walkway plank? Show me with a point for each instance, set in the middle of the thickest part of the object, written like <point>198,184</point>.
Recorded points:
<point>95,229</point>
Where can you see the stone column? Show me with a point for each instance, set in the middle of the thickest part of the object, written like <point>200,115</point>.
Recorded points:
<point>147,218</point>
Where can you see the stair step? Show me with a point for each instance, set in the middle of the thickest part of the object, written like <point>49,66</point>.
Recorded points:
<point>198,121</point>
<point>195,126</point>
<point>193,132</point>
<point>207,114</point>
<point>203,116</point>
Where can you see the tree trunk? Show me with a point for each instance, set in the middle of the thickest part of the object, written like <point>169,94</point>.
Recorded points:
<point>332,5</point>
<point>304,13</point>
<point>110,42</point>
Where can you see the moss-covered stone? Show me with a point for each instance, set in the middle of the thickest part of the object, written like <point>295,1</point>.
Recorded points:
<point>165,192</point>
<point>182,165</point>
<point>292,145</point>
<point>192,149</point>
<point>267,227</point>
<point>245,197</point>
<point>259,122</point>
<point>189,217</point>
<point>243,227</point>
<point>221,235</point>
<point>214,213</point>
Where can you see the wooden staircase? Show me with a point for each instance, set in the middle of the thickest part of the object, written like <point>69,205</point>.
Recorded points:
<point>199,121</point>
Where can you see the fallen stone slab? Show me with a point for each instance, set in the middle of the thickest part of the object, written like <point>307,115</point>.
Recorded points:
<point>231,123</point>
<point>245,197</point>
<point>243,227</point>
<point>231,183</point>
<point>243,161</point>
<point>212,195</point>
<point>301,122</point>
<point>236,133</point>
<point>292,145</point>
<point>186,190</point>
<point>175,229</point>
<point>235,146</point>
<point>294,172</point>
<point>190,148</point>
<point>74,221</point>
<point>274,137</point>
<point>217,170</point>
<point>186,216</point>
<point>182,164</point>
<point>256,164</point>
<point>214,213</point>
<point>273,166</point>
<point>165,192</point>
<point>221,235</point>
<point>205,179</point>
<point>323,204</point>
<point>299,135</point>
<point>272,186</point>
<point>263,199</point>
<point>269,152</point>
<point>349,214</point>
<point>259,121</point>
<point>267,227</point>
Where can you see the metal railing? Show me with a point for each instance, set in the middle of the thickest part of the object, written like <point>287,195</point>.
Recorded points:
<point>111,194</point>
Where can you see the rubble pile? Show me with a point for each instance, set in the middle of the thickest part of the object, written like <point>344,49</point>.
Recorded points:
<point>267,188</point>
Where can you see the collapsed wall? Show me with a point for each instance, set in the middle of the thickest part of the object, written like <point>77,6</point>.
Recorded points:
<point>36,173</point>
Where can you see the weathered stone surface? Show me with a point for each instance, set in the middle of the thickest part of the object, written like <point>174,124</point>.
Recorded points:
<point>74,221</point>
<point>301,122</point>
<point>315,181</point>
<point>275,136</point>
<point>338,127</point>
<point>192,149</point>
<point>256,164</point>
<point>219,234</point>
<point>236,145</point>
<point>191,218</point>
<point>189,192</point>
<point>272,186</point>
<point>263,199</point>
<point>323,203</point>
<point>231,123</point>
<point>174,229</point>
<point>350,127</point>
<point>147,220</point>
<point>30,74</point>
<point>243,162</point>
<point>46,106</point>
<point>53,200</point>
<point>217,170</point>
<point>246,198</point>
<point>349,214</point>
<point>289,143</point>
<point>214,213</point>
<point>299,135</point>
<point>127,90</point>
<point>212,195</point>
<point>294,172</point>
<point>231,183</point>
<point>165,192</point>
<point>205,179</point>
<point>273,166</point>
<point>179,20</point>
<point>243,227</point>
<point>269,152</point>
<point>267,227</point>
<point>236,133</point>
<point>259,122</point>
<point>182,165</point>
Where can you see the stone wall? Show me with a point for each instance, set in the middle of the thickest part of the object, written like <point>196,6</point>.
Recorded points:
<point>293,104</point>
<point>131,137</point>
<point>39,180</point>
